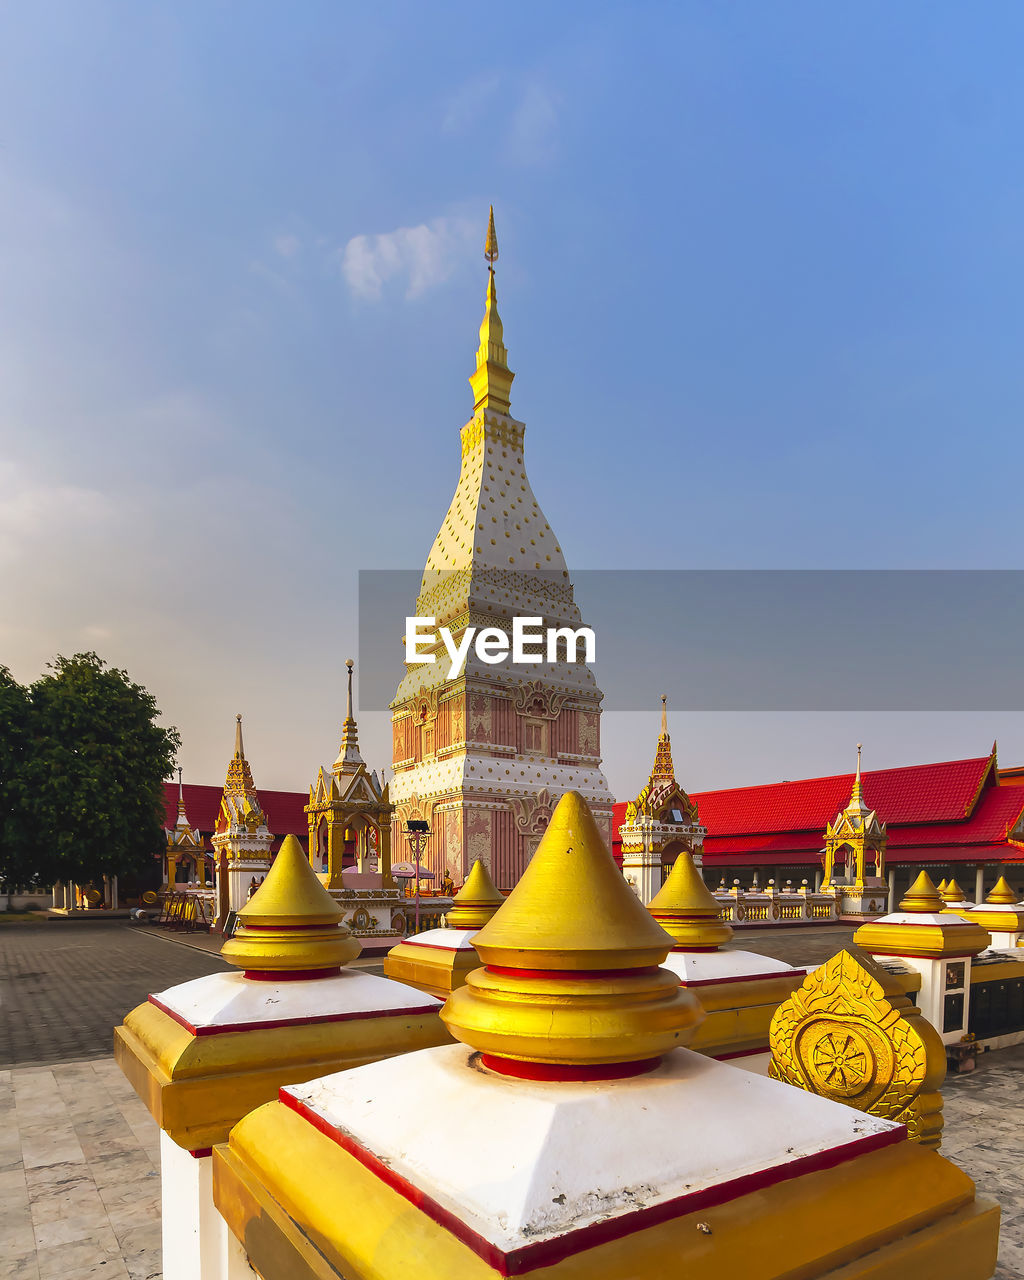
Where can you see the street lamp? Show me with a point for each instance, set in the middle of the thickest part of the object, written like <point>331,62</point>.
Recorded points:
<point>417,832</point>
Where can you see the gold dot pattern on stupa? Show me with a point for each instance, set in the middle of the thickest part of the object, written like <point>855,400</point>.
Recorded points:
<point>571,986</point>
<point>291,925</point>
<point>685,909</point>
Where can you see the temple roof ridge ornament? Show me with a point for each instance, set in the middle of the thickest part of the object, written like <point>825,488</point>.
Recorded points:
<point>571,987</point>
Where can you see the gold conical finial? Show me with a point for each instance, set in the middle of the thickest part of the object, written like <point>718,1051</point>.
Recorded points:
<point>476,901</point>
<point>491,244</point>
<point>1001,895</point>
<point>181,797</point>
<point>664,715</point>
<point>952,892</point>
<point>922,897</point>
<point>239,750</point>
<point>492,379</point>
<point>685,909</point>
<point>291,925</point>
<point>940,888</point>
<point>571,987</point>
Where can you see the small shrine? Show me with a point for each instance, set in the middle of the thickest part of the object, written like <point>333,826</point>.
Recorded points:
<point>349,814</point>
<point>185,857</point>
<point>568,1134</point>
<point>739,991</point>
<point>241,839</point>
<point>855,843</point>
<point>660,823</point>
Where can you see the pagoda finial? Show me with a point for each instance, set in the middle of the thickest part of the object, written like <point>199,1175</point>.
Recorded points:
<point>922,898</point>
<point>664,716</point>
<point>239,750</point>
<point>291,923</point>
<point>571,988</point>
<point>181,796</point>
<point>491,244</point>
<point>685,909</point>
<point>476,901</point>
<point>492,379</point>
<point>348,757</point>
<point>1001,894</point>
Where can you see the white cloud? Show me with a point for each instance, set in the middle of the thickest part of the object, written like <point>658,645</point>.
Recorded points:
<point>531,134</point>
<point>421,256</point>
<point>521,111</point>
<point>35,511</point>
<point>287,245</point>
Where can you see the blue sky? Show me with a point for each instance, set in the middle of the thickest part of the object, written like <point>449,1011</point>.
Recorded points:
<point>760,275</point>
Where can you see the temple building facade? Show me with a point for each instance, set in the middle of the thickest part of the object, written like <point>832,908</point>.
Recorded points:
<point>483,758</point>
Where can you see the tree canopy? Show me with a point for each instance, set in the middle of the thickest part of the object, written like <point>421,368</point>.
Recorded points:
<point>82,765</point>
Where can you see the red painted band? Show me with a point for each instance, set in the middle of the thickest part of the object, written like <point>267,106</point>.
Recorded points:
<point>200,1152</point>
<point>435,946</point>
<point>543,1253</point>
<point>290,975</point>
<point>272,1024</point>
<point>744,977</point>
<point>739,1053</point>
<point>568,1070</point>
<point>687,950</point>
<point>583,974</point>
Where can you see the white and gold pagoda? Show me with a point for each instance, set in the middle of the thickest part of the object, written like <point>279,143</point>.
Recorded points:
<point>855,845</point>
<point>241,839</point>
<point>660,824</point>
<point>484,758</point>
<point>185,850</point>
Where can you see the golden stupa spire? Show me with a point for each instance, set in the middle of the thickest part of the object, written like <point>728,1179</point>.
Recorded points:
<point>1001,895</point>
<point>685,909</point>
<point>664,770</point>
<point>922,897</point>
<point>182,817</point>
<point>348,755</point>
<point>291,925</point>
<point>239,780</point>
<point>492,379</point>
<point>476,901</point>
<point>239,750</point>
<point>952,892</point>
<point>571,988</point>
<point>857,804</point>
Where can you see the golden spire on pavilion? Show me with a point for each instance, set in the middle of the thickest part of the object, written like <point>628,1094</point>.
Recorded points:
<point>685,909</point>
<point>664,770</point>
<point>571,987</point>
<point>492,379</point>
<point>182,816</point>
<point>922,898</point>
<point>348,755</point>
<point>1001,895</point>
<point>857,805</point>
<point>291,923</point>
<point>476,901</point>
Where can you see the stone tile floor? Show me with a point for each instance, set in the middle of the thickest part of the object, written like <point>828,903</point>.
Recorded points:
<point>79,1175</point>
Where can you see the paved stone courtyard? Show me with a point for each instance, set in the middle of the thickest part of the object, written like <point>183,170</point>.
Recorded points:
<point>79,1153</point>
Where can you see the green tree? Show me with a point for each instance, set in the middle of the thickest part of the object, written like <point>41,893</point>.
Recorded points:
<point>98,763</point>
<point>19,846</point>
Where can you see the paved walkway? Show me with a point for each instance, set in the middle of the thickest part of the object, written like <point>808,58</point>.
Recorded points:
<point>65,985</point>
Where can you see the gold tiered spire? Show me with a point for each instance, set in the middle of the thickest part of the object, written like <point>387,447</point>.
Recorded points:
<point>571,988</point>
<point>664,769</point>
<point>476,901</point>
<point>952,892</point>
<point>291,926</point>
<point>492,379</point>
<point>922,898</point>
<point>857,804</point>
<point>348,756</point>
<point>1001,895</point>
<point>239,780</point>
<point>685,909</point>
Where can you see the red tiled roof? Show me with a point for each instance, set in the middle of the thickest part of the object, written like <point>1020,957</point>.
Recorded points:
<point>202,804</point>
<point>915,793</point>
<point>951,811</point>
